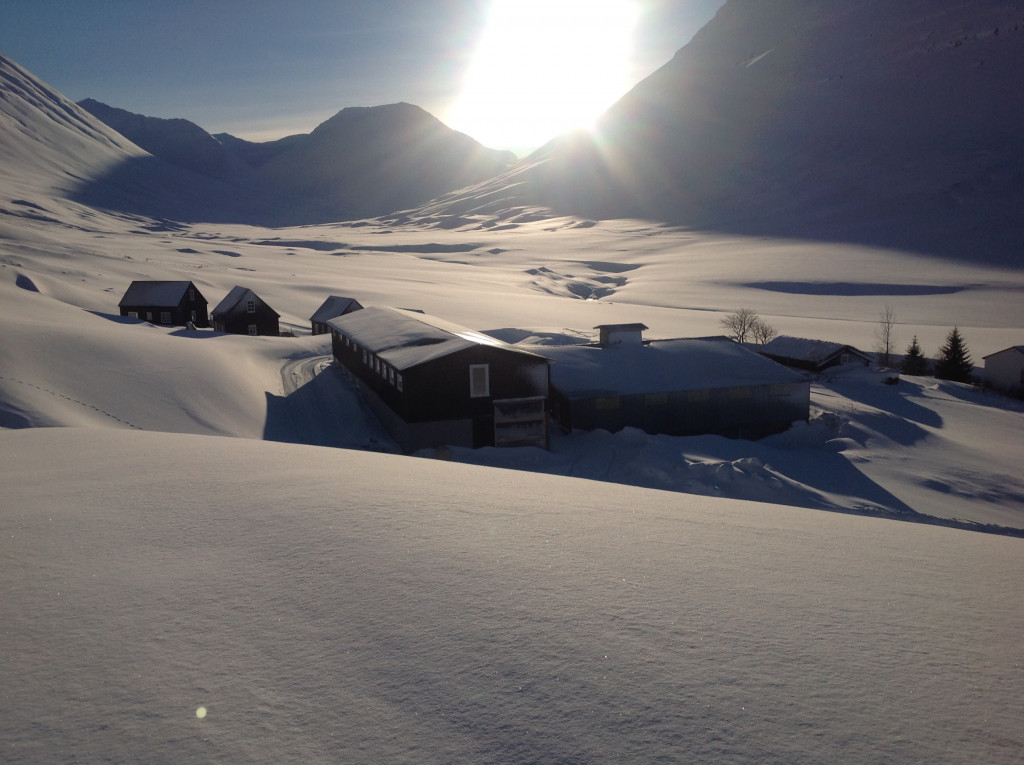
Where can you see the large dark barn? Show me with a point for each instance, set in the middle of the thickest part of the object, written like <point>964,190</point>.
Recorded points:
<point>434,383</point>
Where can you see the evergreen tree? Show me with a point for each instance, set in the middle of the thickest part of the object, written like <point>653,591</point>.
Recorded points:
<point>914,362</point>
<point>954,362</point>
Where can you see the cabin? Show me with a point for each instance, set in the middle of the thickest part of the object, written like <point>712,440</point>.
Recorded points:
<point>242,312</point>
<point>331,308</point>
<point>435,383</point>
<point>1004,370</point>
<point>811,355</point>
<point>678,387</point>
<point>174,303</point>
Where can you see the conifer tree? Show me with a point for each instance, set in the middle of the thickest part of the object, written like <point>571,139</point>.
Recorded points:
<point>914,362</point>
<point>954,362</point>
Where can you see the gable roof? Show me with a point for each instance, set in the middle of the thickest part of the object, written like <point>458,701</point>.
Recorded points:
<point>815,351</point>
<point>405,339</point>
<point>234,297</point>
<point>333,306</point>
<point>163,294</point>
<point>1017,348</point>
<point>661,366</point>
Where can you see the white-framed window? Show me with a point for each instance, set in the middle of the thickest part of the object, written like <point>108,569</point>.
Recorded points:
<point>253,329</point>
<point>149,316</point>
<point>479,380</point>
<point>165,317</point>
<point>250,306</point>
<point>391,375</point>
<point>398,383</point>
<point>193,317</point>
<point>133,314</point>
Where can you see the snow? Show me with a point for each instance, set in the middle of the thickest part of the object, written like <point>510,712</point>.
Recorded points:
<point>817,596</point>
<point>661,366</point>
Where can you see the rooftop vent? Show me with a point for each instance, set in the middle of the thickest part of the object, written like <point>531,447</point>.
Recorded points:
<point>620,334</point>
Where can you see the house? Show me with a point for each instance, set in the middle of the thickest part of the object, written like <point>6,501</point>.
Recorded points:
<point>676,387</point>
<point>242,312</point>
<point>811,355</point>
<point>1005,369</point>
<point>432,382</point>
<point>174,303</point>
<point>332,307</point>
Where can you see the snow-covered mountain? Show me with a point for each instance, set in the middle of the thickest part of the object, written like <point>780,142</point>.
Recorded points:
<point>364,161</point>
<point>871,121</point>
<point>179,587</point>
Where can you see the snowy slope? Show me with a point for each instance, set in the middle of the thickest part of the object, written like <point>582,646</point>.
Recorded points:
<point>321,605</point>
<point>874,122</point>
<point>337,605</point>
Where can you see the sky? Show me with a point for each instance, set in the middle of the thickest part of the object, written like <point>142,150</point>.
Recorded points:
<point>511,73</point>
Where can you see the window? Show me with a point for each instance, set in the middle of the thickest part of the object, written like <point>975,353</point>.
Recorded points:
<point>191,295</point>
<point>366,357</point>
<point>133,314</point>
<point>250,306</point>
<point>253,329</point>
<point>149,316</point>
<point>193,317</point>
<point>398,383</point>
<point>479,380</point>
<point>391,375</point>
<point>165,317</point>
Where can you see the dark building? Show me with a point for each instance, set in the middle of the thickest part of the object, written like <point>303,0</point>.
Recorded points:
<point>676,387</point>
<point>811,355</point>
<point>333,307</point>
<point>242,312</point>
<point>172,303</point>
<point>434,383</point>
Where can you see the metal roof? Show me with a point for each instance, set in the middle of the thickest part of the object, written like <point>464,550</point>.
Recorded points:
<point>234,297</point>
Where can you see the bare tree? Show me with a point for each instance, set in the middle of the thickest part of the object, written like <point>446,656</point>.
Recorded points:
<point>762,332</point>
<point>885,337</point>
<point>740,325</point>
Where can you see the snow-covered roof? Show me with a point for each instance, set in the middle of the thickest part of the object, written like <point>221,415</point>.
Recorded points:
<point>405,339</point>
<point>155,293</point>
<point>234,297</point>
<point>805,349</point>
<point>1018,348</point>
<point>661,366</point>
<point>334,305</point>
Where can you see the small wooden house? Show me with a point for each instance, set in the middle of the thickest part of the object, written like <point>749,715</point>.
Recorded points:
<point>175,303</point>
<point>1004,369</point>
<point>333,307</point>
<point>676,387</point>
<point>435,383</point>
<point>242,312</point>
<point>812,355</point>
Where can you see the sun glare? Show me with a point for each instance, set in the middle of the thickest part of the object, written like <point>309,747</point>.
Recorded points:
<point>543,67</point>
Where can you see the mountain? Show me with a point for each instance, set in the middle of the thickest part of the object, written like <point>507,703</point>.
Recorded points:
<point>176,141</point>
<point>52,146</point>
<point>885,123</point>
<point>368,161</point>
<point>362,162</point>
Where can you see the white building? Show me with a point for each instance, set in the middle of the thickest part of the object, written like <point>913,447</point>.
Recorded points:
<point>1005,369</point>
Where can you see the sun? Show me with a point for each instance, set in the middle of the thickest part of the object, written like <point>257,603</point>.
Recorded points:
<point>543,67</point>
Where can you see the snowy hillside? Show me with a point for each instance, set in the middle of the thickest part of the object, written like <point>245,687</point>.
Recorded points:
<point>872,122</point>
<point>178,587</point>
<point>361,162</point>
<point>317,605</point>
